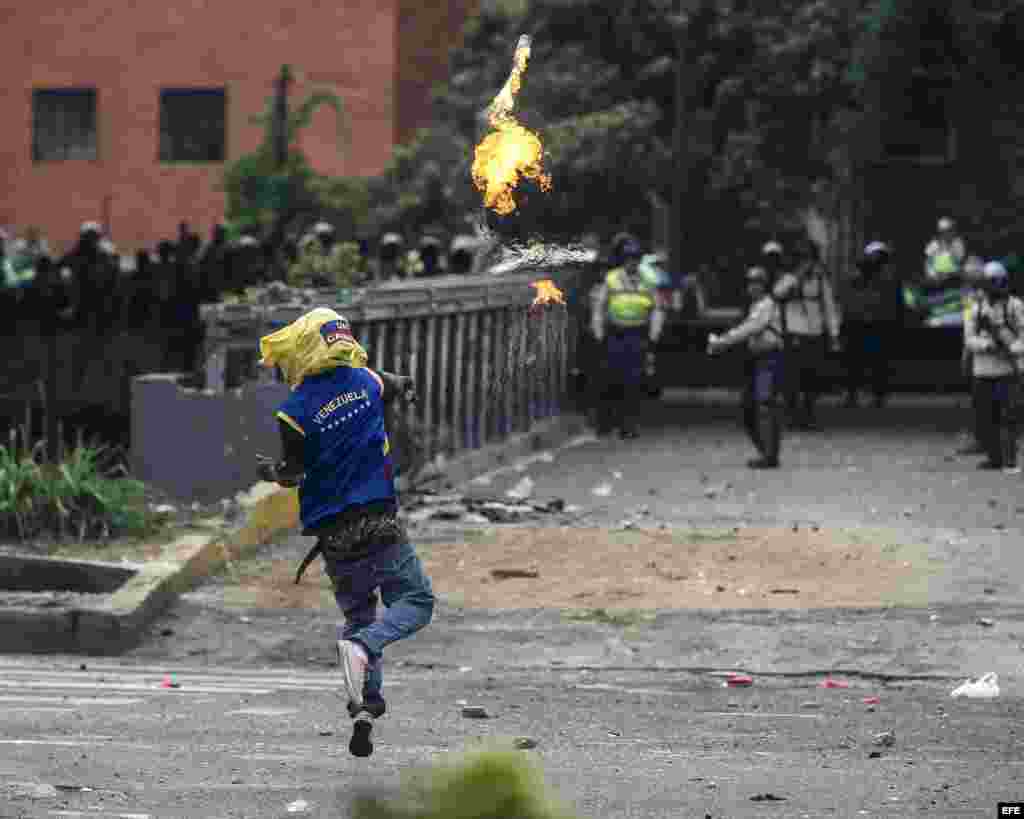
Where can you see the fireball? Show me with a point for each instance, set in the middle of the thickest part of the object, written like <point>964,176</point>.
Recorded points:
<point>547,293</point>
<point>510,151</point>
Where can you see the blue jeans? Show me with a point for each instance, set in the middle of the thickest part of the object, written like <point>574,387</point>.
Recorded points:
<point>406,592</point>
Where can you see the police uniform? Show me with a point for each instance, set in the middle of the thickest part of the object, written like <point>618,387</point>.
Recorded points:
<point>627,319</point>
<point>810,320</point>
<point>994,336</point>
<point>763,333</point>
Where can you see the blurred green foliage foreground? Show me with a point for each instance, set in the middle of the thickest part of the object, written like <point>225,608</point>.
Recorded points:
<point>497,782</point>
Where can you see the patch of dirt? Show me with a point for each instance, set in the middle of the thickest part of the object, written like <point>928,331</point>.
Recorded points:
<point>644,569</point>
<point>587,568</point>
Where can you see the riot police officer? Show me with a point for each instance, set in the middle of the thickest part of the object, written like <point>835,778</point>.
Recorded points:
<point>995,337</point>
<point>627,321</point>
<point>762,331</point>
<point>811,322</point>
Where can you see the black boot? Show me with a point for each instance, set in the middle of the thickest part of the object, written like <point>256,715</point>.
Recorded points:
<point>1008,441</point>
<point>770,434</point>
<point>750,425</point>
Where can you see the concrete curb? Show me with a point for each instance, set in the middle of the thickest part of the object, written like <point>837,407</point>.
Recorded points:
<point>117,621</point>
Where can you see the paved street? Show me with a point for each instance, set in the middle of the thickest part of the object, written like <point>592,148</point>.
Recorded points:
<point>110,742</point>
<point>630,718</point>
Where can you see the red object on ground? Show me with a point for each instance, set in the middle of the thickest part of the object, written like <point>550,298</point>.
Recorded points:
<point>871,700</point>
<point>835,684</point>
<point>739,680</point>
<point>168,684</point>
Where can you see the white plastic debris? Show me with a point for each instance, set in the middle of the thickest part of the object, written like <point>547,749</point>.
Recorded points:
<point>522,490</point>
<point>983,688</point>
<point>602,490</point>
<point>482,480</point>
<point>165,509</point>
<point>617,476</point>
<point>298,806</point>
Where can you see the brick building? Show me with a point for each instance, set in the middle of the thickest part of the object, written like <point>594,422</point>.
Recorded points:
<point>125,113</point>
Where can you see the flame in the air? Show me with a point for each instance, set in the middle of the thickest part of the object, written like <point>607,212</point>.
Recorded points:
<point>547,293</point>
<point>510,151</point>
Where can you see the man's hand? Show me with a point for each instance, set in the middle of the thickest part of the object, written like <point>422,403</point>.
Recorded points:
<point>715,344</point>
<point>267,469</point>
<point>407,388</point>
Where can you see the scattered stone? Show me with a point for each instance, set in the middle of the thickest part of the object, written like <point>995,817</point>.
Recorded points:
<point>448,513</point>
<point>602,490</point>
<point>986,621</point>
<point>990,591</point>
<point>83,667</point>
<point>627,524</point>
<point>475,712</point>
<point>884,739</point>
<point>476,519</point>
<point>652,492</point>
<point>785,591</point>
<point>556,505</point>
<point>508,574</point>
<point>326,733</point>
<point>992,503</point>
<point>810,705</point>
<point>875,755</point>
<point>617,476</point>
<point>719,588</point>
<point>767,797</point>
<point>166,632</point>
<point>522,490</point>
<point>525,743</point>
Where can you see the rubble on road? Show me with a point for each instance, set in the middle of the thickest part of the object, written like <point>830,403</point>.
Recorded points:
<point>454,507</point>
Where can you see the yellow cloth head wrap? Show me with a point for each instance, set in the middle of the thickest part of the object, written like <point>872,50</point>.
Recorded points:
<point>314,343</point>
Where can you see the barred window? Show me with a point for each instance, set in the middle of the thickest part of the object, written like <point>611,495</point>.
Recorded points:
<point>63,124</point>
<point>192,125</point>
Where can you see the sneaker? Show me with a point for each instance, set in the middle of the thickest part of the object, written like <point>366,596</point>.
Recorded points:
<point>353,661</point>
<point>1011,470</point>
<point>360,744</point>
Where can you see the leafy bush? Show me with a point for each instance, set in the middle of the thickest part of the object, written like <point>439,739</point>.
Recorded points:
<point>496,783</point>
<point>83,495</point>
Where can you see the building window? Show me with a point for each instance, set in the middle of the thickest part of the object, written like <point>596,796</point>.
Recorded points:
<point>192,125</point>
<point>63,124</point>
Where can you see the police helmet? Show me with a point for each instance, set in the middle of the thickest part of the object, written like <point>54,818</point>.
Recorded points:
<point>996,276</point>
<point>630,249</point>
<point>757,275</point>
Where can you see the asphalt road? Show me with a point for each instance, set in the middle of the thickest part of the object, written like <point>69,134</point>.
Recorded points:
<point>109,741</point>
<point>629,721</point>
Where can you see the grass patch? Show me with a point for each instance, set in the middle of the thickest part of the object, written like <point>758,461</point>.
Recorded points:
<point>622,618</point>
<point>87,495</point>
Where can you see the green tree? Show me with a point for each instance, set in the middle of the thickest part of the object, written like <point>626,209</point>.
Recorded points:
<point>261,193</point>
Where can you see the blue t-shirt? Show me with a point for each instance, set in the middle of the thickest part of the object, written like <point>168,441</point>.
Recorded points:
<point>347,460</point>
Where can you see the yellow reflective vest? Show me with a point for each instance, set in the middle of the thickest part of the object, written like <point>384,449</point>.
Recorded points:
<point>630,301</point>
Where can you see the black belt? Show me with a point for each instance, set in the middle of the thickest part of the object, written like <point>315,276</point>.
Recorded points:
<point>353,538</point>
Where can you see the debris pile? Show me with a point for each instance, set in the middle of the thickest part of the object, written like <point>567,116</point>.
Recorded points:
<point>460,508</point>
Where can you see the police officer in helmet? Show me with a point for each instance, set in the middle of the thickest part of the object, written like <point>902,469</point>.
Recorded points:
<point>994,336</point>
<point>627,321</point>
<point>762,332</point>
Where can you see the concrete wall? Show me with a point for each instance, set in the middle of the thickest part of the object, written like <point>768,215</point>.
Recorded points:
<point>198,445</point>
